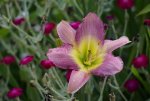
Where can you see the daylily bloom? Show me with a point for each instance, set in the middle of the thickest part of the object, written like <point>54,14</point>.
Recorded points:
<point>86,52</point>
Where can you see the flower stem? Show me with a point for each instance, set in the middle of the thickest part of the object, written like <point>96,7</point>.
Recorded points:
<point>102,90</point>
<point>116,83</point>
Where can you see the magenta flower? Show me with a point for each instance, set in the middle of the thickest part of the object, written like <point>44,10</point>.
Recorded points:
<point>140,61</point>
<point>14,92</point>
<point>68,73</point>
<point>48,27</point>
<point>46,64</point>
<point>131,85</point>
<point>26,60</point>
<point>18,21</point>
<point>8,60</point>
<point>86,52</point>
<point>75,25</point>
<point>125,4</point>
<point>147,22</point>
<point>110,17</point>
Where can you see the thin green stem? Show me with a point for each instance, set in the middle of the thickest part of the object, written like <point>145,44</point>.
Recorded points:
<point>116,83</point>
<point>102,90</point>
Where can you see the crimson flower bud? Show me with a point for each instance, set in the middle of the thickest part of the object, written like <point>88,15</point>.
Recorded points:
<point>15,92</point>
<point>75,25</point>
<point>26,60</point>
<point>131,85</point>
<point>8,60</point>
<point>18,21</point>
<point>48,27</point>
<point>140,61</point>
<point>46,64</point>
<point>125,4</point>
<point>147,22</point>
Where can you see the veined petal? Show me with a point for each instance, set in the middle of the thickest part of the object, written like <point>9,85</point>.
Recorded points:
<point>77,80</point>
<point>111,45</point>
<point>66,32</point>
<point>111,66</point>
<point>92,26</point>
<point>60,57</point>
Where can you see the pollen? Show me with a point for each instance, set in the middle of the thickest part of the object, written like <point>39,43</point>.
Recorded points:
<point>88,54</point>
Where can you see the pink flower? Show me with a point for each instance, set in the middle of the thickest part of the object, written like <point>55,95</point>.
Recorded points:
<point>131,85</point>
<point>18,21</point>
<point>140,61</point>
<point>147,22</point>
<point>86,52</point>
<point>125,4</point>
<point>14,92</point>
<point>48,27</point>
<point>26,60</point>
<point>46,64</point>
<point>8,60</point>
<point>68,74</point>
<point>75,25</point>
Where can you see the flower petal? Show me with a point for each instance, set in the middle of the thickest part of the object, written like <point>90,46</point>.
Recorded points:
<point>66,32</point>
<point>111,66</point>
<point>112,45</point>
<point>60,57</point>
<point>77,80</point>
<point>92,26</point>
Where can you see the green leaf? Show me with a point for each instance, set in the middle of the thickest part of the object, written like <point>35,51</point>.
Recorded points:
<point>32,93</point>
<point>3,32</point>
<point>144,10</point>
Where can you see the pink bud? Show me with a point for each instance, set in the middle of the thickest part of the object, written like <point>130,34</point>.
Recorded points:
<point>48,27</point>
<point>46,64</point>
<point>140,61</point>
<point>147,22</point>
<point>26,60</point>
<point>69,71</point>
<point>18,21</point>
<point>131,85</point>
<point>14,92</point>
<point>8,60</point>
<point>125,4</point>
<point>75,25</point>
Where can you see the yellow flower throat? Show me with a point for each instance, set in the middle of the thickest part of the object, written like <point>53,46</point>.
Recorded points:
<point>88,54</point>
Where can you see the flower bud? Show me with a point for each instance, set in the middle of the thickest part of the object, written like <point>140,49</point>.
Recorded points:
<point>26,60</point>
<point>68,74</point>
<point>131,85</point>
<point>75,25</point>
<point>110,17</point>
<point>147,22</point>
<point>18,21</point>
<point>8,60</point>
<point>140,61</point>
<point>46,64</point>
<point>14,92</point>
<point>48,27</point>
<point>125,4</point>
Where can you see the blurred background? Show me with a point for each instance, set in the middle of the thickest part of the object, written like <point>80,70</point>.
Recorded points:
<point>28,30</point>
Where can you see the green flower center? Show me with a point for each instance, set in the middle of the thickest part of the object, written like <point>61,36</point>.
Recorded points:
<point>88,54</point>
